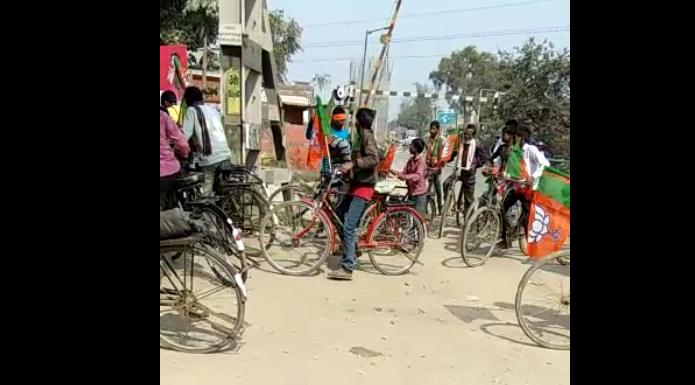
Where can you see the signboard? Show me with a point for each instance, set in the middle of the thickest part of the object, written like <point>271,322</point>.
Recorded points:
<point>229,34</point>
<point>446,118</point>
<point>167,74</point>
<point>233,92</point>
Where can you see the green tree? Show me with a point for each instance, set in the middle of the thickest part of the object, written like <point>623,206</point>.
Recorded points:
<point>194,22</point>
<point>321,81</point>
<point>287,37</point>
<point>466,72</point>
<point>187,22</point>
<point>534,78</point>
<point>416,113</point>
<point>538,77</point>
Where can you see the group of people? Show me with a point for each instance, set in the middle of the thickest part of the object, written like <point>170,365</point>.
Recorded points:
<point>473,156</point>
<point>422,171</point>
<point>196,139</point>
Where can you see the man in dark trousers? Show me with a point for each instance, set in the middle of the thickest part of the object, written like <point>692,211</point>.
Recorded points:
<point>434,145</point>
<point>363,169</point>
<point>472,157</point>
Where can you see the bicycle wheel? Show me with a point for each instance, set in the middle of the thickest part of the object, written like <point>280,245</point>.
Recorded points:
<point>399,232</point>
<point>185,323</point>
<point>246,207</point>
<point>446,211</point>
<point>291,192</point>
<point>298,225</point>
<point>430,213</point>
<point>545,323</point>
<point>223,238</point>
<point>482,228</point>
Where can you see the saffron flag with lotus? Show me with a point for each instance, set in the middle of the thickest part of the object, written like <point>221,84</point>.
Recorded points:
<point>549,216</point>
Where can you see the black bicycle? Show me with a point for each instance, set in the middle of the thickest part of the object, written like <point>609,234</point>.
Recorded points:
<point>204,317</point>
<point>228,239</point>
<point>243,197</point>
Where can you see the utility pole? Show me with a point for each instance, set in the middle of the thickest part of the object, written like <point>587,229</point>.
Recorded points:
<point>247,61</point>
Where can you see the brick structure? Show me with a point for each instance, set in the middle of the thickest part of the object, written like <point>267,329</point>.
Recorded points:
<point>212,82</point>
<point>296,100</point>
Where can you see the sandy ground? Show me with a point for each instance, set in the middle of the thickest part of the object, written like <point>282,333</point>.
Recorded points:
<point>441,324</point>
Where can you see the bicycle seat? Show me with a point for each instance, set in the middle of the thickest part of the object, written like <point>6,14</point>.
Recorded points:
<point>229,168</point>
<point>189,180</point>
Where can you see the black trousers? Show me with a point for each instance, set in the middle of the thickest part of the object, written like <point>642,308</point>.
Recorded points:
<point>167,198</point>
<point>510,201</point>
<point>467,191</point>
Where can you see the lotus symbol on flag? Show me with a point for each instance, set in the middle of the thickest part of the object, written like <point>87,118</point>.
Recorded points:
<point>539,226</point>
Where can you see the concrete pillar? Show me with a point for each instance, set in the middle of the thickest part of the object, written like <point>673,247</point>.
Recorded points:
<point>246,59</point>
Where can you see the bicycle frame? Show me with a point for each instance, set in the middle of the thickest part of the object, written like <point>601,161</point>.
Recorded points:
<point>188,200</point>
<point>323,208</point>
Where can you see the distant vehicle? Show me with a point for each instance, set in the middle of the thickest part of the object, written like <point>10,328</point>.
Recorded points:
<point>406,141</point>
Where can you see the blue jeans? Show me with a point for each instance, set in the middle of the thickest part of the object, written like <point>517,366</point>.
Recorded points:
<point>350,210</point>
<point>420,203</point>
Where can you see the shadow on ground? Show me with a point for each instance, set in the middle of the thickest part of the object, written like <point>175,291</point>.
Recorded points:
<point>511,332</point>
<point>469,314</point>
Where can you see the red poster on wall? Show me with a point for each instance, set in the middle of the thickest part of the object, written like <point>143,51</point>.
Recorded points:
<point>168,80</point>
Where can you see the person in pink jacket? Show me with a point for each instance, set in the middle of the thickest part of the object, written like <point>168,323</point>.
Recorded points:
<point>169,166</point>
<point>415,176</point>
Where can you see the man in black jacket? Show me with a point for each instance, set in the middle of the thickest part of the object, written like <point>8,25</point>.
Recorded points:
<point>472,157</point>
<point>364,171</point>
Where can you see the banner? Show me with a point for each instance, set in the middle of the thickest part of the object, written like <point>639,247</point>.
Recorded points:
<point>168,79</point>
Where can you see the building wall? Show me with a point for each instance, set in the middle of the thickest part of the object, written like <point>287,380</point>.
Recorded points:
<point>295,138</point>
<point>197,81</point>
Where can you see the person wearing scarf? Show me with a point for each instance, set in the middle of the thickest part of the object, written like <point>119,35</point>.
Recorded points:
<point>339,137</point>
<point>472,157</point>
<point>202,127</point>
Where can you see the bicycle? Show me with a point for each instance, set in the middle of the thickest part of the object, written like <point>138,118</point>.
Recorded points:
<point>243,196</point>
<point>486,220</point>
<point>449,208</point>
<point>384,192</point>
<point>180,301</point>
<point>292,192</point>
<point>228,240</point>
<point>396,220</point>
<point>546,323</point>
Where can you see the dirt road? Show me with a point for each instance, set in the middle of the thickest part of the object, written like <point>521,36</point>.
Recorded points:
<point>440,324</point>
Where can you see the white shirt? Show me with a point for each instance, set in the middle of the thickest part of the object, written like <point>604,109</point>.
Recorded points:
<point>218,139</point>
<point>535,161</point>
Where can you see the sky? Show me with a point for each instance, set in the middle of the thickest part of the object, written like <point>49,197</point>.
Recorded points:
<point>334,33</point>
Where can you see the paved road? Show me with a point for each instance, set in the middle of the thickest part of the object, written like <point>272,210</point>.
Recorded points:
<point>440,324</point>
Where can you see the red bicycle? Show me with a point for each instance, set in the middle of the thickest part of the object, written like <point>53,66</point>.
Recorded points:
<point>397,233</point>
